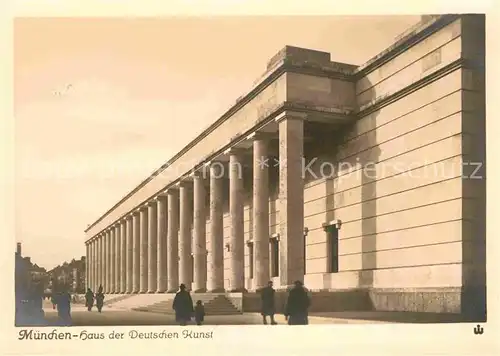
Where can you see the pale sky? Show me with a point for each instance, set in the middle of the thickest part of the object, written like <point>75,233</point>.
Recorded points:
<point>101,103</point>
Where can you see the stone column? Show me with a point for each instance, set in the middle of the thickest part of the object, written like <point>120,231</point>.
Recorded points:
<point>113,261</point>
<point>101,259</point>
<point>95,254</point>
<point>217,226</point>
<point>261,211</point>
<point>123,257</point>
<point>173,241</point>
<point>91,262</point>
<point>87,265</point>
<point>152,246</point>
<point>143,285</point>
<point>136,260</point>
<point>162,245</point>
<point>291,198</point>
<point>130,255</point>
<point>200,236</point>
<point>108,260</point>
<point>118,235</point>
<point>236,209</point>
<point>186,218</point>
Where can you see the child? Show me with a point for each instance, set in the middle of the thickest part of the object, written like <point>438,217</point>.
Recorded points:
<point>199,312</point>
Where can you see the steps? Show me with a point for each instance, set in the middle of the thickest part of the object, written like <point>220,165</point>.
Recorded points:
<point>111,299</point>
<point>215,304</point>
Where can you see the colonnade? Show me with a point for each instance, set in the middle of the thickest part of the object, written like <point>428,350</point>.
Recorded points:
<point>153,249</point>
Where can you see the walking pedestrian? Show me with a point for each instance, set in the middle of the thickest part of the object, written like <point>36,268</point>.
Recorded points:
<point>267,307</point>
<point>89,299</point>
<point>183,306</point>
<point>297,305</point>
<point>99,299</point>
<point>199,312</point>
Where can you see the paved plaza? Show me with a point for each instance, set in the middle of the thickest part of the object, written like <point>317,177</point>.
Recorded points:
<point>109,316</point>
<point>113,316</point>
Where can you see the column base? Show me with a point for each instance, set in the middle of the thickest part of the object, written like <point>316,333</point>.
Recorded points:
<point>200,290</point>
<point>217,290</point>
<point>172,290</point>
<point>161,291</point>
<point>151,291</point>
<point>238,290</point>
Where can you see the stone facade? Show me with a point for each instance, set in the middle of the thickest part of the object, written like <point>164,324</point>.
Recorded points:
<point>357,180</point>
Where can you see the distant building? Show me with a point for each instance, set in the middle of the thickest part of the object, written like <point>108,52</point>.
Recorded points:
<point>27,274</point>
<point>69,275</point>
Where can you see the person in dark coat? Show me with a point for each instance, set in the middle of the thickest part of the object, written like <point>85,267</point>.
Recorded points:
<point>183,306</point>
<point>267,307</point>
<point>99,299</point>
<point>64,307</point>
<point>297,305</point>
<point>199,312</point>
<point>89,299</point>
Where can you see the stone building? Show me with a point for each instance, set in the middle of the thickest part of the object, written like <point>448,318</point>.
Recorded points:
<point>358,180</point>
<point>70,276</point>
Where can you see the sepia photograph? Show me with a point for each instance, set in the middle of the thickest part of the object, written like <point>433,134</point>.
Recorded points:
<point>249,170</point>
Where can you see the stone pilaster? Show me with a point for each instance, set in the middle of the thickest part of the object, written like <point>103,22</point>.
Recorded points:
<point>136,258</point>
<point>152,246</point>
<point>216,227</point>
<point>143,285</point>
<point>173,241</point>
<point>291,198</point>
<point>260,210</point>
<point>236,209</point>
<point>186,218</point>
<point>123,257</point>
<point>200,236</point>
<point>130,255</point>
<point>162,245</point>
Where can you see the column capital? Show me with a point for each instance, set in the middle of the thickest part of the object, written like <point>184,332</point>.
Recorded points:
<point>172,190</point>
<point>262,135</point>
<point>135,211</point>
<point>211,163</point>
<point>235,151</point>
<point>293,115</point>
<point>184,183</point>
<point>200,173</point>
<point>162,196</point>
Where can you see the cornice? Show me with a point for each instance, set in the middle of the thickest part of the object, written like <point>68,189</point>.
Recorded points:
<point>423,31</point>
<point>377,105</point>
